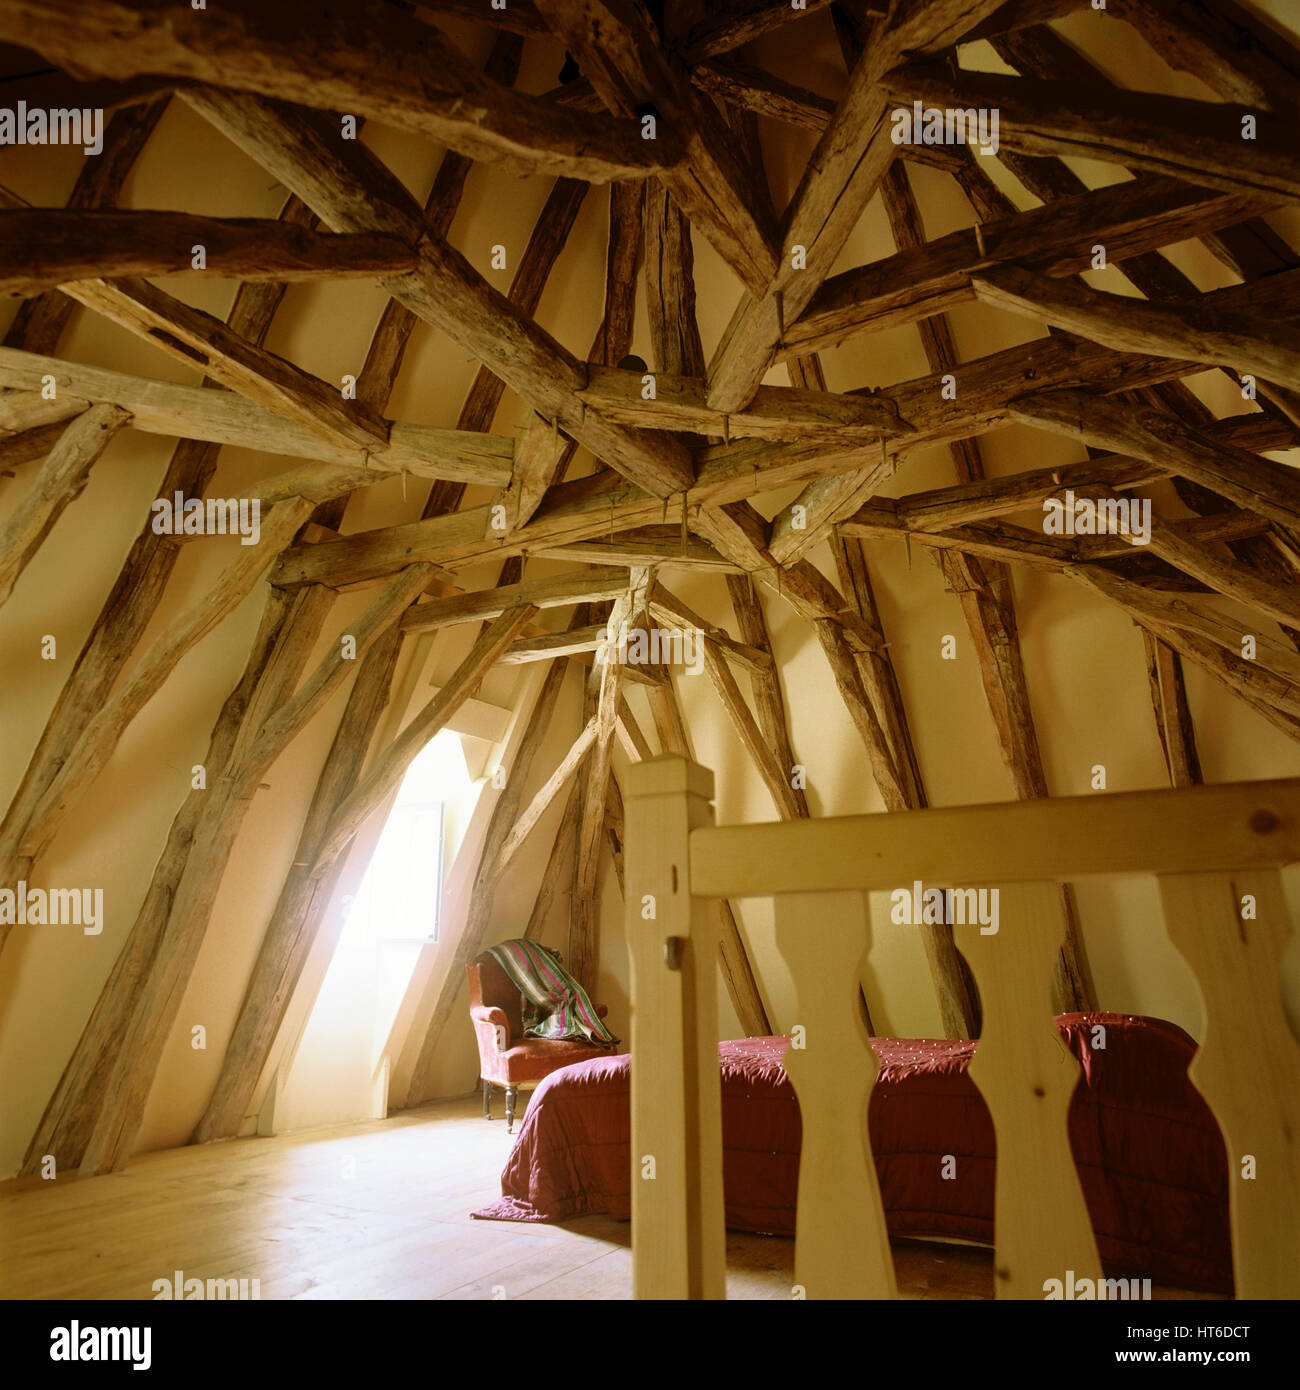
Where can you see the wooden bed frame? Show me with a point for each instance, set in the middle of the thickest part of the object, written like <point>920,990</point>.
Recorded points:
<point>1216,853</point>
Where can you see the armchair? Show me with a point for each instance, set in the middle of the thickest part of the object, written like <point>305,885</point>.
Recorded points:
<point>506,1058</point>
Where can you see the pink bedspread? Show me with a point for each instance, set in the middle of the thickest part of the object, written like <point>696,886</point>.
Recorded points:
<point>1149,1153</point>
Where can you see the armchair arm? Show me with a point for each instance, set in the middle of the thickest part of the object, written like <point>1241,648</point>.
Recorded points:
<point>601,1010</point>
<point>496,1020</point>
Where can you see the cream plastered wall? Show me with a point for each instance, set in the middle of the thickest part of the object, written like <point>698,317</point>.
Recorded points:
<point>1083,659</point>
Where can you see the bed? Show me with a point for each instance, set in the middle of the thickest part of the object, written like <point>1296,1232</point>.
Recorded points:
<point>1215,852</point>
<point>1149,1154</point>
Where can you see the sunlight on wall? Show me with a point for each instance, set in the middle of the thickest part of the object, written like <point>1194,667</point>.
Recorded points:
<point>333,1077</point>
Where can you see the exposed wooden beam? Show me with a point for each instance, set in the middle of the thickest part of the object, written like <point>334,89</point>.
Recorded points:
<point>1197,141</point>
<point>1236,54</point>
<point>937,508</point>
<point>1196,331</point>
<point>775,412</point>
<point>169,929</point>
<point>197,338</point>
<point>383,778</point>
<point>388,344</point>
<point>1254,483</point>
<point>355,192</point>
<point>1228,577</point>
<point>775,778</point>
<point>670,294</point>
<point>555,591</point>
<point>1271,695</point>
<point>549,234</point>
<point>39,323</point>
<point>876,669</point>
<point>623,259</point>
<point>568,643</point>
<point>728,24</point>
<point>222,417</point>
<point>603,687</point>
<point>1058,239</point>
<point>433,91</point>
<point>728,474</point>
<point>644,545</point>
<point>852,155</point>
<point>60,479</point>
<point>71,1115</point>
<point>1199,618</point>
<point>100,737</point>
<point>41,248</point>
<point>135,595</point>
<point>1173,716</point>
<point>547,792</point>
<point>622,55</point>
<point>754,90</point>
<point>491,865</point>
<point>538,461</point>
<point>300,909</point>
<point>557,877</point>
<point>666,606</point>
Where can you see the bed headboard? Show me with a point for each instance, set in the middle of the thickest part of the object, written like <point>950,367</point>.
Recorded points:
<point>1215,852</point>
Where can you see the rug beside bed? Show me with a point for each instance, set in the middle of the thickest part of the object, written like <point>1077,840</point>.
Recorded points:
<point>1149,1153</point>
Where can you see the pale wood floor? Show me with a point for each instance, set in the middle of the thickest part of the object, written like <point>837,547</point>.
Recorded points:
<point>374,1210</point>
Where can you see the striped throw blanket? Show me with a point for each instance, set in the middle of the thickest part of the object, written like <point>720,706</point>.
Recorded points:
<point>554,1004</point>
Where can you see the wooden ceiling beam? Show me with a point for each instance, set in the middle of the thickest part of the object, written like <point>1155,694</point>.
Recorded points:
<point>547,792</point>
<point>302,904</point>
<point>353,191</point>
<point>645,545</point>
<point>571,642</point>
<point>1195,330</point>
<point>39,323</point>
<point>42,248</point>
<point>667,608</point>
<point>728,24</point>
<point>754,90</point>
<point>603,686</point>
<point>937,508</point>
<point>842,174</point>
<point>138,589</point>
<point>1238,56</point>
<point>1198,141</point>
<point>197,338</point>
<point>678,351</point>
<point>729,474</point>
<point>623,56</point>
<point>987,600</point>
<point>1254,483</point>
<point>1203,636</point>
<point>101,735</point>
<point>556,591</point>
<point>1198,615</point>
<point>539,461</point>
<point>223,417</point>
<point>177,921</point>
<point>60,479</point>
<point>367,58</point>
<point>1059,239</point>
<point>775,412</point>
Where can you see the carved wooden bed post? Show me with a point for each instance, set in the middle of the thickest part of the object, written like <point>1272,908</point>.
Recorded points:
<point>678,1233</point>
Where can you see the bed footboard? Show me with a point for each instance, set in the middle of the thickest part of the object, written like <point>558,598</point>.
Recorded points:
<point>1216,853</point>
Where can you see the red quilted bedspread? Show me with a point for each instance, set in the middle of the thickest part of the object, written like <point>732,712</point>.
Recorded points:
<point>1148,1151</point>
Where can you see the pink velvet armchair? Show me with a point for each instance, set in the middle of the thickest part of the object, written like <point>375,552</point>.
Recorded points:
<point>505,1057</point>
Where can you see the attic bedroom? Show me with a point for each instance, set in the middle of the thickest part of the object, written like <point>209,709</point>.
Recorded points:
<point>651,651</point>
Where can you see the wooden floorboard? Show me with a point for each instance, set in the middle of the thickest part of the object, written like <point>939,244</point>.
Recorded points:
<point>374,1210</point>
